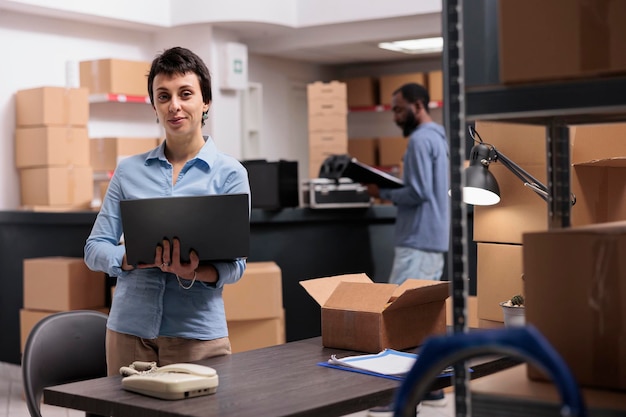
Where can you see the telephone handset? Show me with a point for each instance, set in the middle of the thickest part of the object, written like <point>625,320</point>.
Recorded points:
<point>173,382</point>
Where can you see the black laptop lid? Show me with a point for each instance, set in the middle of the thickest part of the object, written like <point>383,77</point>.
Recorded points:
<point>217,227</point>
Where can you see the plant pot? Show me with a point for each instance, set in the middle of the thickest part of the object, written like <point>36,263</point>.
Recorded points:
<point>514,316</point>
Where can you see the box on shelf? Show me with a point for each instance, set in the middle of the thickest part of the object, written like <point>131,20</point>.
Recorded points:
<point>390,83</point>
<point>362,91</point>
<point>358,314</point>
<point>520,209</point>
<point>115,76</point>
<point>52,106</point>
<point>51,145</point>
<point>570,39</point>
<point>60,283</point>
<point>499,276</point>
<point>391,150</point>
<point>257,295</point>
<point>599,173</point>
<point>575,296</point>
<point>29,318</point>
<point>435,85</point>
<point>107,152</point>
<point>364,150</point>
<point>255,334</point>
<point>56,186</point>
<point>273,185</point>
<point>321,149</point>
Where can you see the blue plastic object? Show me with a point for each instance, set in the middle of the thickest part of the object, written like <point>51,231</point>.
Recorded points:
<point>526,342</point>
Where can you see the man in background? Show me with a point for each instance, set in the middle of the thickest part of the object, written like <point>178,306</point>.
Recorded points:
<point>423,218</point>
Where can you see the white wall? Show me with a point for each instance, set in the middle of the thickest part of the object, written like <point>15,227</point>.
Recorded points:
<point>40,47</point>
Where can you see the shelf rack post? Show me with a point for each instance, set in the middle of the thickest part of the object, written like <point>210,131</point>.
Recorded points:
<point>454,118</point>
<point>558,161</point>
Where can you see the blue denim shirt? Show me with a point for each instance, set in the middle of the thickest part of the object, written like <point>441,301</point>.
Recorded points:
<point>423,219</point>
<point>148,302</point>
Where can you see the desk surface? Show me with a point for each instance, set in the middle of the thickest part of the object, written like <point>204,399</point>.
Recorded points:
<point>282,380</point>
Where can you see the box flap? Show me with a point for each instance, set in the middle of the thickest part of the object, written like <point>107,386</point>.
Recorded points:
<point>321,288</point>
<point>360,296</point>
<point>419,291</point>
<point>616,162</point>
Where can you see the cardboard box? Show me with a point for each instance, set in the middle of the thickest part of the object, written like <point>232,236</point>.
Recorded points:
<point>29,318</point>
<point>115,76</point>
<point>51,145</point>
<point>257,295</point>
<point>358,314</point>
<point>62,283</point>
<point>362,91</point>
<point>570,39</point>
<point>390,83</point>
<point>499,277</point>
<point>56,186</point>
<point>325,92</point>
<point>52,106</point>
<point>364,150</point>
<point>520,209</point>
<point>391,150</point>
<point>318,152</point>
<point>599,173</point>
<point>107,152</point>
<point>336,139</point>
<point>576,297</point>
<point>328,123</point>
<point>255,334</point>
<point>435,86</point>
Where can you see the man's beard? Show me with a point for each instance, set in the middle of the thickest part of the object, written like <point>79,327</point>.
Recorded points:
<point>409,125</point>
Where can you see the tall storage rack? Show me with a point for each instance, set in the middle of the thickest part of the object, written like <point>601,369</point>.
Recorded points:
<point>554,105</point>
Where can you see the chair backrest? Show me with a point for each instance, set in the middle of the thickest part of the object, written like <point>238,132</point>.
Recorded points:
<point>63,347</point>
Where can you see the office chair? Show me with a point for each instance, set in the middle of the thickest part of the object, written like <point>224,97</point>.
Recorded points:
<point>61,348</point>
<point>526,342</point>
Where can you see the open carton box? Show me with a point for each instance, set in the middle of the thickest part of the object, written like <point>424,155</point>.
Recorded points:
<point>360,315</point>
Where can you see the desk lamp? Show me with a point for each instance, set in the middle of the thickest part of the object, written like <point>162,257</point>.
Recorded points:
<point>481,187</point>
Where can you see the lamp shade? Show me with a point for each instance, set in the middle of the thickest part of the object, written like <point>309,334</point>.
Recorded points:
<point>481,187</point>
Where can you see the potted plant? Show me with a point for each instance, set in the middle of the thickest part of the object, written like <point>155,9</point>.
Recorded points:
<point>513,311</point>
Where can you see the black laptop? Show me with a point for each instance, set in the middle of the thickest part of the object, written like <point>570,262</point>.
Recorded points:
<point>217,227</point>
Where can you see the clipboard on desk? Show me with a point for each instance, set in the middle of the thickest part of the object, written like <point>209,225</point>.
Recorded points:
<point>345,166</point>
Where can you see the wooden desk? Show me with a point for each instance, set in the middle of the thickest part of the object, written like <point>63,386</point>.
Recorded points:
<point>282,380</point>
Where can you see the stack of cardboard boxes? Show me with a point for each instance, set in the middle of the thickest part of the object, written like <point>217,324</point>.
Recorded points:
<point>328,123</point>
<point>119,78</point>
<point>54,284</point>
<point>52,148</point>
<point>374,94</point>
<point>254,308</point>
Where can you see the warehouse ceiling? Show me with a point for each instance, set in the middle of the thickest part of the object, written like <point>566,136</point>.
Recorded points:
<point>344,43</point>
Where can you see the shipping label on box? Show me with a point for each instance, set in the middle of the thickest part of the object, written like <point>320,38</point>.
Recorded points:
<point>257,295</point>
<point>50,146</point>
<point>575,291</point>
<point>62,283</point>
<point>52,106</point>
<point>358,314</point>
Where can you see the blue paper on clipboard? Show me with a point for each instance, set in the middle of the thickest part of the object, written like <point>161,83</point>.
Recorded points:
<point>390,364</point>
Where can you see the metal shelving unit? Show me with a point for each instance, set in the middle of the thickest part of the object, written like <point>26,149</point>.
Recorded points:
<point>555,105</point>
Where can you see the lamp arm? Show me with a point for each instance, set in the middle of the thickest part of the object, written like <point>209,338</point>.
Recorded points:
<point>528,180</point>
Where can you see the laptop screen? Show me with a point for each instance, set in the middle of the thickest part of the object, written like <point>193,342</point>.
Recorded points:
<point>217,227</point>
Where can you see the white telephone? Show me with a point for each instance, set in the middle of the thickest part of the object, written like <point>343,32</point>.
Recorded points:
<point>173,382</point>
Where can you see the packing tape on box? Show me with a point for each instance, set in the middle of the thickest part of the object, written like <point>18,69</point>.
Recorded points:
<point>606,304</point>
